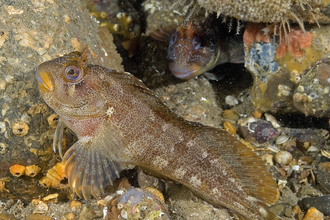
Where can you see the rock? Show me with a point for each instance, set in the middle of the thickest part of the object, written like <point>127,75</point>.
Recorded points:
<point>90,212</point>
<point>313,214</point>
<point>258,130</point>
<point>308,190</point>
<point>278,209</point>
<point>32,32</point>
<point>38,217</point>
<point>283,158</point>
<point>271,11</point>
<point>321,203</point>
<point>183,205</point>
<point>4,216</point>
<point>288,197</point>
<point>137,203</point>
<point>230,115</point>
<point>194,100</point>
<point>289,78</point>
<point>323,177</point>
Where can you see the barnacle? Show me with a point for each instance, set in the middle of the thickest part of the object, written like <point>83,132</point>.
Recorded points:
<point>32,170</point>
<point>3,148</point>
<point>2,184</point>
<point>54,177</point>
<point>45,181</point>
<point>52,120</point>
<point>17,170</point>
<point>20,129</point>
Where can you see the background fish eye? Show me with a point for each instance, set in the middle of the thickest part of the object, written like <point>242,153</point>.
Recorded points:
<point>196,42</point>
<point>173,38</point>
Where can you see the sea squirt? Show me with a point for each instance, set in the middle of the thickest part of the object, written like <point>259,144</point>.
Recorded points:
<point>119,121</point>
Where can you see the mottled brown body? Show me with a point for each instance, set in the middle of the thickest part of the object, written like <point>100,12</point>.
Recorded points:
<point>119,121</point>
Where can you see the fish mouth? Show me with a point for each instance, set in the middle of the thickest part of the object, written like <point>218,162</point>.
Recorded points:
<point>184,71</point>
<point>45,81</point>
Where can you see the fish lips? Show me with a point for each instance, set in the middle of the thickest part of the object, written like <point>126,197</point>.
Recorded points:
<point>45,81</point>
<point>184,71</point>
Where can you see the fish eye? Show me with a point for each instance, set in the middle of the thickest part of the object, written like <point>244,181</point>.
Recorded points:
<point>196,43</point>
<point>173,38</point>
<point>73,73</point>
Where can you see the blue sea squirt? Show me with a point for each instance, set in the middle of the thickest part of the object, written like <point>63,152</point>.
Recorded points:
<point>120,122</point>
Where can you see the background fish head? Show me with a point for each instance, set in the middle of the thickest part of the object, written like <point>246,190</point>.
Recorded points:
<point>193,49</point>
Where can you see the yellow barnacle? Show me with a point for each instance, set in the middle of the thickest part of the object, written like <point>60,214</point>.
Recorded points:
<point>52,120</point>
<point>20,129</point>
<point>45,181</point>
<point>2,184</point>
<point>54,177</point>
<point>17,170</point>
<point>32,170</point>
<point>103,15</point>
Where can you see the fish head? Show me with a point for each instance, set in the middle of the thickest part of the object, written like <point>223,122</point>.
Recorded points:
<point>70,87</point>
<point>193,49</point>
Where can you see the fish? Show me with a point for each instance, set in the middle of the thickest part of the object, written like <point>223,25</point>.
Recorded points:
<point>119,122</point>
<point>197,47</point>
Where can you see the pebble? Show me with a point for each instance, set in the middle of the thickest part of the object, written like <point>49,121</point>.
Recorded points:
<point>283,158</point>
<point>281,139</point>
<point>321,203</point>
<point>74,205</point>
<point>40,208</point>
<point>288,197</point>
<point>268,158</point>
<point>288,212</point>
<point>229,127</point>
<point>324,176</point>
<point>297,212</point>
<point>278,209</point>
<point>308,190</point>
<point>4,216</point>
<point>257,114</point>
<point>38,217</point>
<point>231,100</point>
<point>89,213</point>
<point>230,115</point>
<point>313,214</point>
<point>69,216</point>
<point>258,130</point>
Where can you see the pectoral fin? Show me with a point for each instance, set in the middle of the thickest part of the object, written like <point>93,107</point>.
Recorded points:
<point>58,136</point>
<point>89,169</point>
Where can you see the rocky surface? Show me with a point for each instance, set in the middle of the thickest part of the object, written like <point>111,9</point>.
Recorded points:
<point>297,149</point>
<point>32,32</point>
